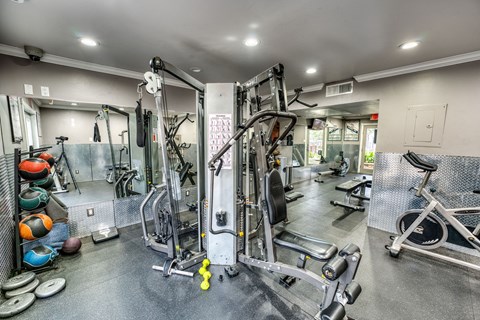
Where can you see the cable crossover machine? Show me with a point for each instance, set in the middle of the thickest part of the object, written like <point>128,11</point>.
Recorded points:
<point>235,135</point>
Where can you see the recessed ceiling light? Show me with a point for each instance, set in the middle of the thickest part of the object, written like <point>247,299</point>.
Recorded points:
<point>409,45</point>
<point>251,42</point>
<point>311,70</point>
<point>122,109</point>
<point>195,69</point>
<point>74,104</point>
<point>89,42</point>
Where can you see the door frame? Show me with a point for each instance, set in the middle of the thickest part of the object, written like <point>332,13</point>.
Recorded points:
<point>364,127</point>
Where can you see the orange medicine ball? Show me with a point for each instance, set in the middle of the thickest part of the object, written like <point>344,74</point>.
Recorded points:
<point>35,226</point>
<point>33,169</point>
<point>47,157</point>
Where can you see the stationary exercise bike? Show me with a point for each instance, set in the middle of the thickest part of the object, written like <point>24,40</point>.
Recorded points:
<point>59,172</point>
<point>422,229</point>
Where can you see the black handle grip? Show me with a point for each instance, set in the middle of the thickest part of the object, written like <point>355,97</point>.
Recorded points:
<point>217,172</point>
<point>415,161</point>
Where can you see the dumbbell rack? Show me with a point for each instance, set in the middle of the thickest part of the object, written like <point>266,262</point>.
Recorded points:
<point>17,158</point>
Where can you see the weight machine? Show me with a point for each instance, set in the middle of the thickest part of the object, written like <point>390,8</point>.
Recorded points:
<point>245,211</point>
<point>252,197</point>
<point>340,167</point>
<point>183,166</point>
<point>169,227</point>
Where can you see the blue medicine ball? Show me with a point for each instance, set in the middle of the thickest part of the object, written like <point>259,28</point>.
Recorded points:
<point>39,257</point>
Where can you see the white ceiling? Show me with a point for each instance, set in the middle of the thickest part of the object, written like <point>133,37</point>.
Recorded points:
<point>341,38</point>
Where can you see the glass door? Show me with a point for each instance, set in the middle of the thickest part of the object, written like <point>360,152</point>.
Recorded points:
<point>369,138</point>
<point>314,146</point>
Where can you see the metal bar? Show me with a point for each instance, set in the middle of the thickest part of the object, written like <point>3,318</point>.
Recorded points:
<point>271,126</point>
<point>195,259</point>
<point>295,97</point>
<point>262,77</point>
<point>415,224</point>
<point>132,174</point>
<point>200,166</point>
<point>247,194</point>
<point>469,236</point>
<point>303,274</point>
<point>123,113</point>
<point>34,150</point>
<point>109,133</point>
<point>142,216</point>
<point>162,146</point>
<point>117,182</point>
<point>442,257</point>
<point>16,187</point>
<point>158,64</point>
<point>175,271</point>
<point>424,182</point>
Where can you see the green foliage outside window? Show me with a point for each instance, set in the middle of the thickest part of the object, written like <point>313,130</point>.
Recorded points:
<point>369,157</point>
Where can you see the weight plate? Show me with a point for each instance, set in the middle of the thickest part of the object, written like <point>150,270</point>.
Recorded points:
<point>50,287</point>
<point>18,281</point>
<point>16,305</point>
<point>28,288</point>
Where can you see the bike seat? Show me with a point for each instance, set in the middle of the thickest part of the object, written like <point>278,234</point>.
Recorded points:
<point>315,248</point>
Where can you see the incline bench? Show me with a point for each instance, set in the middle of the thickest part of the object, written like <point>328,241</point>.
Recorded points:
<point>352,188</point>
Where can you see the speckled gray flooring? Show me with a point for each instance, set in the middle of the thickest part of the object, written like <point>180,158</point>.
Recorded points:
<point>114,280</point>
<point>92,191</point>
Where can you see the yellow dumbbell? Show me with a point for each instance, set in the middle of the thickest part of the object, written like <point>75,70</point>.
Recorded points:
<point>205,284</point>
<point>203,269</point>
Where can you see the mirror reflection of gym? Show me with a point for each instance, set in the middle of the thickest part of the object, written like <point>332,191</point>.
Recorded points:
<point>84,164</point>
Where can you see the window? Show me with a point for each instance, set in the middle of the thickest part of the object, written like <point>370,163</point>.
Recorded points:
<point>314,146</point>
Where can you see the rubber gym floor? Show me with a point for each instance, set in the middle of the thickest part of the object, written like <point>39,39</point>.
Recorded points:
<point>115,280</point>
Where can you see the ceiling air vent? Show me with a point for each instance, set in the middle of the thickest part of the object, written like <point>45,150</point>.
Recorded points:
<point>339,89</point>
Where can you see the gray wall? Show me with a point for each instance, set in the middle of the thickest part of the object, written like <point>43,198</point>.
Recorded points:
<point>77,125</point>
<point>458,86</point>
<point>72,84</point>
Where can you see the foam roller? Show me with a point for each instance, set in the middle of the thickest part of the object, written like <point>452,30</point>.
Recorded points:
<point>334,268</point>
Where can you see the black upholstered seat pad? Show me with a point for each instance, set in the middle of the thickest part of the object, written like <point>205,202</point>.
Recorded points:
<point>351,185</point>
<point>315,248</point>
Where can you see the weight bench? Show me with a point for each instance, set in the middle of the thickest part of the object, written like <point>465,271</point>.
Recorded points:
<point>351,189</point>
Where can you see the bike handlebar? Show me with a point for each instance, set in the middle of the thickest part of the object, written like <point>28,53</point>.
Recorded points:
<point>418,163</point>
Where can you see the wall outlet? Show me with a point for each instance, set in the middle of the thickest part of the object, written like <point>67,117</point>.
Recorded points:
<point>90,212</point>
<point>77,172</point>
<point>45,91</point>
<point>28,88</point>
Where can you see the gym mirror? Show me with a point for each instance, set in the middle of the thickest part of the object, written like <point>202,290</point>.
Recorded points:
<point>86,137</point>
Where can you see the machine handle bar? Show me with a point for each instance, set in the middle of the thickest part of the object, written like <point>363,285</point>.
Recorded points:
<point>415,161</point>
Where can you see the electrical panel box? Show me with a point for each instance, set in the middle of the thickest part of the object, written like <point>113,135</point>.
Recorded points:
<point>424,125</point>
